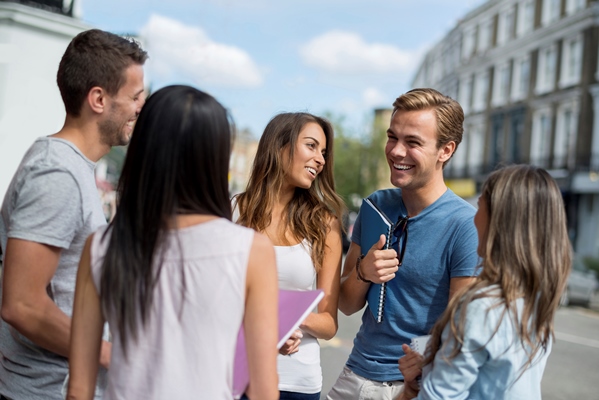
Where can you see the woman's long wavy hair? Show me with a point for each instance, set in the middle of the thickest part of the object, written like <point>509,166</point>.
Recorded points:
<point>177,162</point>
<point>309,212</point>
<point>526,253</point>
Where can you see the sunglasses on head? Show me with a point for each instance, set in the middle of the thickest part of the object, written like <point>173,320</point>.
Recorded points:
<point>400,234</point>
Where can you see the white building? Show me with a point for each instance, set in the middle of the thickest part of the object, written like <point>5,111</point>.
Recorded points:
<point>526,73</point>
<point>33,38</point>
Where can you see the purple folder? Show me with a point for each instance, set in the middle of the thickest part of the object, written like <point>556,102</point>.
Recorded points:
<point>294,307</point>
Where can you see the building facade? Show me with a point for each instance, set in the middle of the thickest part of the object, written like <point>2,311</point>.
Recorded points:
<point>33,38</point>
<point>526,73</point>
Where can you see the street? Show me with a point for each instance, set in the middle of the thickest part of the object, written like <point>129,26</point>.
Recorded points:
<point>572,369</point>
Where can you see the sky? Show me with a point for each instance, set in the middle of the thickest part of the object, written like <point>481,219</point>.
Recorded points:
<point>263,57</point>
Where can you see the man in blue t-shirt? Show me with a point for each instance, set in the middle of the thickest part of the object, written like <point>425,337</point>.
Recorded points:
<point>436,236</point>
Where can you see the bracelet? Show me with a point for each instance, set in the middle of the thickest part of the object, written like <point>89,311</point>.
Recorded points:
<point>358,272</point>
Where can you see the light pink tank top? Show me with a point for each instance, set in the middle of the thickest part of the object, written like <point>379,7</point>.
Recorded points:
<point>191,356</point>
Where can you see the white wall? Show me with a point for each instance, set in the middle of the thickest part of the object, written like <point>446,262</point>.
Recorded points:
<point>31,44</point>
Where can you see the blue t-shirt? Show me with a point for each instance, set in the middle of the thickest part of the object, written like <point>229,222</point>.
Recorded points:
<point>442,243</point>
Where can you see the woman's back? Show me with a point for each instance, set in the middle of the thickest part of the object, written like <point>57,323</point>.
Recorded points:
<point>186,349</point>
<point>490,363</point>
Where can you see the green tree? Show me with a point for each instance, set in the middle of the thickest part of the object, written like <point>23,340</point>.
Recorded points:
<point>357,163</point>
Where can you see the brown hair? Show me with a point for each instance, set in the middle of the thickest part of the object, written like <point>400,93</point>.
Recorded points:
<point>95,58</point>
<point>526,254</point>
<point>449,113</point>
<point>309,212</point>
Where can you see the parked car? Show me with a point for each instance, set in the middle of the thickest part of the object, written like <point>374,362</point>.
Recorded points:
<point>582,285</point>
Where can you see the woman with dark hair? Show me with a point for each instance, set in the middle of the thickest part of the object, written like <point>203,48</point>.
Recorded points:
<point>291,198</point>
<point>494,338</point>
<point>173,276</point>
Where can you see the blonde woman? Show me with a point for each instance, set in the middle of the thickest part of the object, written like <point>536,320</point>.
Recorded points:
<point>291,198</point>
<point>493,340</point>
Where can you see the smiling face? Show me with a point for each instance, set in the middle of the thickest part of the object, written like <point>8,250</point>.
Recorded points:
<point>123,108</point>
<point>411,149</point>
<point>308,157</point>
<point>481,221</point>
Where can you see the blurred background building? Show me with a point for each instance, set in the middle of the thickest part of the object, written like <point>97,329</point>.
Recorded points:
<point>33,37</point>
<point>527,77</point>
<point>242,158</point>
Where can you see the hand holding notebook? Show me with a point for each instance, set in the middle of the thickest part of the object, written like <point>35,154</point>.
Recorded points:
<point>374,224</point>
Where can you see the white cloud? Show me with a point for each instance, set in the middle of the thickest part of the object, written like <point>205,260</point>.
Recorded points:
<point>176,49</point>
<point>372,97</point>
<point>346,52</point>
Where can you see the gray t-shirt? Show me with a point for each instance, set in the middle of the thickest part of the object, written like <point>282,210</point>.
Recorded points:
<point>52,199</point>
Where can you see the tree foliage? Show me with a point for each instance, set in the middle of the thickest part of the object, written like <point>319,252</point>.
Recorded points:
<point>358,161</point>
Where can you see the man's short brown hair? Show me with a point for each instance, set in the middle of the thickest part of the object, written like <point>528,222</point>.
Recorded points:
<point>95,58</point>
<point>449,113</point>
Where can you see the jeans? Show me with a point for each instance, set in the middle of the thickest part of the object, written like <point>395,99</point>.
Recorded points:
<point>293,396</point>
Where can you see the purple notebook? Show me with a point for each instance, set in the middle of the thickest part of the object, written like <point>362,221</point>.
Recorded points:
<point>294,307</point>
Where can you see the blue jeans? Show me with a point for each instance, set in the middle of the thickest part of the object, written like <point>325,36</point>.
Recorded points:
<point>293,396</point>
<point>299,396</point>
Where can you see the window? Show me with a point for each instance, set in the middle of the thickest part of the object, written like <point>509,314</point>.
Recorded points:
<point>458,160</point>
<point>551,11</point>
<point>565,135</point>
<point>437,73</point>
<point>466,93</point>
<point>573,6</point>
<point>481,90</point>
<point>526,17</point>
<point>506,26</point>
<point>521,78</point>
<point>475,149</point>
<point>546,69</point>
<point>468,43</point>
<point>571,61</point>
<point>485,35</point>
<point>501,84</point>
<point>497,139</point>
<point>541,137</point>
<point>515,134</point>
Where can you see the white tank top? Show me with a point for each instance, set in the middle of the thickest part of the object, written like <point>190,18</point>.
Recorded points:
<point>301,371</point>
<point>190,357</point>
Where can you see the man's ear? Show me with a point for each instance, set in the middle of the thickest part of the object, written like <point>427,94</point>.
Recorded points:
<point>96,99</point>
<point>446,151</point>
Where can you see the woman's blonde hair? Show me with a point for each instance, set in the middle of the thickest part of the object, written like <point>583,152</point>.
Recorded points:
<point>308,214</point>
<point>526,253</point>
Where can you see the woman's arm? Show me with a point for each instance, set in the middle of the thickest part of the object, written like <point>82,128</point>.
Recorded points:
<point>261,320</point>
<point>452,378</point>
<point>410,366</point>
<point>86,332</point>
<point>323,325</point>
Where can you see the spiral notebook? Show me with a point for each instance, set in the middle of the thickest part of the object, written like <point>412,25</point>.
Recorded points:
<point>294,307</point>
<point>374,224</point>
<point>418,344</point>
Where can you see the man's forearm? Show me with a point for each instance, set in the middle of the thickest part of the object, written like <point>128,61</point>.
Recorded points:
<point>43,323</point>
<point>352,296</point>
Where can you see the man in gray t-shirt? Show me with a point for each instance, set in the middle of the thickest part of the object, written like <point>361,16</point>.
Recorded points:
<point>52,206</point>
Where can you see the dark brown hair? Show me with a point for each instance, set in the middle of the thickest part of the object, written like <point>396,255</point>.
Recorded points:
<point>177,162</point>
<point>95,58</point>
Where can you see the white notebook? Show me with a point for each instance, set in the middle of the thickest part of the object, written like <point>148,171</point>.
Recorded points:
<point>419,343</point>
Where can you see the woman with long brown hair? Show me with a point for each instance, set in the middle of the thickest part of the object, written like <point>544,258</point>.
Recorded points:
<point>493,340</point>
<point>291,198</point>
